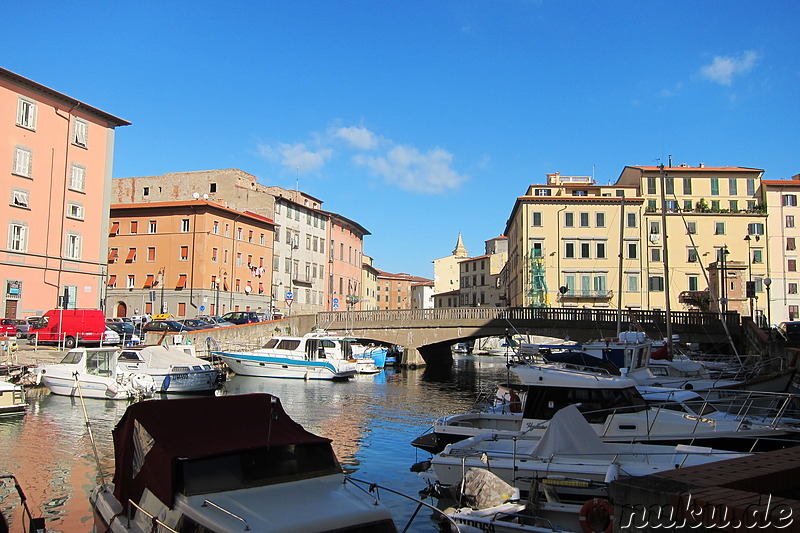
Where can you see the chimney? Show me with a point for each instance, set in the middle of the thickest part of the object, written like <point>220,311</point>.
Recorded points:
<point>702,165</point>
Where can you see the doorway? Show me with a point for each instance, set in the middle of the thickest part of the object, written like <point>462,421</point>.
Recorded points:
<point>122,309</point>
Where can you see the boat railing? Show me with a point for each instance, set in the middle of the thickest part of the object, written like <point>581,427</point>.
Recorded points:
<point>374,488</point>
<point>206,503</point>
<point>154,521</point>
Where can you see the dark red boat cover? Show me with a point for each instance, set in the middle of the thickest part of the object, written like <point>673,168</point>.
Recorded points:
<point>192,428</point>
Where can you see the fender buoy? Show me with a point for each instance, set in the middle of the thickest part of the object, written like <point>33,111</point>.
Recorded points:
<point>597,516</point>
<point>515,404</point>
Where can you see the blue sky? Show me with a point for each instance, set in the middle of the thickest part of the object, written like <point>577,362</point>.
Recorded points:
<point>421,120</point>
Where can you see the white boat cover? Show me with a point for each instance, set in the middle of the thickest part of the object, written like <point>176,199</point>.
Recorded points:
<point>158,357</point>
<point>568,433</point>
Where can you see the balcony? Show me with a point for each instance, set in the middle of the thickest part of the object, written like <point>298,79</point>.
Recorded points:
<point>302,279</point>
<point>586,296</point>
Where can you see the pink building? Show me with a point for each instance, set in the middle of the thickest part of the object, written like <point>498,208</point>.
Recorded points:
<point>345,252</point>
<point>57,153</point>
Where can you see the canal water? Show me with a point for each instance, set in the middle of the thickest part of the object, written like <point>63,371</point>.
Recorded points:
<point>371,419</point>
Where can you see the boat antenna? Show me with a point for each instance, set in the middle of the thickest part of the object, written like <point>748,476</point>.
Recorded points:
<point>89,431</point>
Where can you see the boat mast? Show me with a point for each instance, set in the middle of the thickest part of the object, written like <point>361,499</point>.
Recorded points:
<point>665,253</point>
<point>619,276</point>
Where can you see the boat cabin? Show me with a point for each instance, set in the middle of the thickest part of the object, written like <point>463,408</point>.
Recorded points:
<point>596,404</point>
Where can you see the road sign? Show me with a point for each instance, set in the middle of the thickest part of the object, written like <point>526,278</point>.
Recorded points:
<point>335,301</point>
<point>335,305</point>
<point>202,307</point>
<point>289,296</point>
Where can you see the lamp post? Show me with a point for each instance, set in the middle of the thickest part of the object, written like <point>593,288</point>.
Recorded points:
<point>749,288</point>
<point>724,280</point>
<point>162,272</point>
<point>767,283</point>
<point>220,272</point>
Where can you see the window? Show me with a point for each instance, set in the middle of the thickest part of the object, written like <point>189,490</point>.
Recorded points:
<point>600,249</point>
<point>758,255</point>
<point>131,282</point>
<point>600,220</point>
<point>212,187</point>
<point>687,186</point>
<point>73,246</point>
<point>755,228</point>
<point>185,226</point>
<point>151,228</point>
<point>18,236</point>
<point>542,192</point>
<point>250,236</point>
<point>580,192</point>
<point>669,184</point>
<point>715,186</point>
<point>239,234</point>
<point>792,288</point>
<point>584,220</point>
<point>633,283</point>
<point>600,285</point>
<point>184,253</point>
<point>655,227</point>
<point>789,221</point>
<point>687,205</point>
<point>655,283</point>
<point>633,250</point>
<point>585,250</point>
<point>733,206</point>
<point>80,132</point>
<point>751,186</point>
<point>75,210</point>
<point>790,243</point>
<point>691,255</point>
<point>215,228</point>
<point>691,228</point>
<point>23,161</point>
<point>791,265</point>
<point>77,178</point>
<point>131,258</point>
<point>789,199</point>
<point>693,283</point>
<point>537,218</point>
<point>146,191</point>
<point>26,113</point>
<point>655,255</point>
<point>715,205</point>
<point>134,227</point>
<point>569,220</point>
<point>238,259</point>
<point>651,205</point>
<point>19,198</point>
<point>151,253</point>
<point>631,220</point>
<point>569,250</point>
<point>214,255</point>
<point>113,255</point>
<point>651,186</point>
<point>719,228</point>
<point>733,188</point>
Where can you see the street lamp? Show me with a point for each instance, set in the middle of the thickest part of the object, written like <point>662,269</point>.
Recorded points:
<point>749,288</point>
<point>220,273</point>
<point>767,283</point>
<point>724,282</point>
<point>162,272</point>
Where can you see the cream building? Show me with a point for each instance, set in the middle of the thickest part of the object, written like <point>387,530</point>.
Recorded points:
<point>783,236</point>
<point>574,243</point>
<point>446,270</point>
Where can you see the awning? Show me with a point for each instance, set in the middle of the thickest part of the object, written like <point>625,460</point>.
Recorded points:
<point>112,256</point>
<point>114,228</point>
<point>181,282</point>
<point>112,280</point>
<point>131,255</point>
<point>149,281</point>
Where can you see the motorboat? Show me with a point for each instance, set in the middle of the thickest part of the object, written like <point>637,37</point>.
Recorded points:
<point>174,368</point>
<point>568,449</point>
<point>12,398</point>
<point>95,373</point>
<point>614,408</point>
<point>258,470</point>
<point>370,351</point>
<point>305,357</point>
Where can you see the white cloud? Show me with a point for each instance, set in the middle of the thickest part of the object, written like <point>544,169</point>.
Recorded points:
<point>722,69</point>
<point>297,156</point>
<point>357,137</point>
<point>412,170</point>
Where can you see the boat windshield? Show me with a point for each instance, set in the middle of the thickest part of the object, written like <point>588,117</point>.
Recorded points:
<point>101,363</point>
<point>595,404</point>
<point>72,357</point>
<point>255,468</point>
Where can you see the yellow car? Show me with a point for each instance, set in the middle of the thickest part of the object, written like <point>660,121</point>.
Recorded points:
<point>162,316</point>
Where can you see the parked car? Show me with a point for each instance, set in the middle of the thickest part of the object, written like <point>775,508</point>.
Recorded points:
<point>166,325</point>
<point>111,337</point>
<point>215,320</point>
<point>14,327</point>
<point>126,332</point>
<point>196,323</point>
<point>70,326</point>
<point>242,317</point>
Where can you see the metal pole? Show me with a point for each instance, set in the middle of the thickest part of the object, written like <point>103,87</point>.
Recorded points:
<point>666,260</point>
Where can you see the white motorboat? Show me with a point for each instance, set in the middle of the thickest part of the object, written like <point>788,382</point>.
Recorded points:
<point>569,449</point>
<point>174,368</point>
<point>12,398</point>
<point>258,470</point>
<point>370,351</point>
<point>306,357</point>
<point>614,408</point>
<point>95,373</point>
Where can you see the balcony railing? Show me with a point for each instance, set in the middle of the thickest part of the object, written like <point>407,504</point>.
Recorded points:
<point>587,295</point>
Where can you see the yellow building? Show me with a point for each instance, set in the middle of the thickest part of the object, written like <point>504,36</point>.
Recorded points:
<point>574,243</point>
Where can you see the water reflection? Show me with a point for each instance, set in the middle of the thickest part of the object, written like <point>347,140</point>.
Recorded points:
<point>371,420</point>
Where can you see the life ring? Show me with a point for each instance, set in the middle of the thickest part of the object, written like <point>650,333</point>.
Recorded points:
<point>597,516</point>
<point>514,403</point>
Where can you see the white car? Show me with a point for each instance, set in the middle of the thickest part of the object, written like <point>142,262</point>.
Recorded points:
<point>111,337</point>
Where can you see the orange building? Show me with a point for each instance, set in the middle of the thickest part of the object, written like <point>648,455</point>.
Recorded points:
<point>188,258</point>
<point>345,263</point>
<point>394,290</point>
<point>57,153</point>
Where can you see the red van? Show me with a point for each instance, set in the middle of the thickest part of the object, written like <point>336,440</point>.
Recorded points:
<point>72,326</point>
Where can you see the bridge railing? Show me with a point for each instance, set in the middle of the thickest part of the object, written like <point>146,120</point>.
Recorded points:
<point>555,314</point>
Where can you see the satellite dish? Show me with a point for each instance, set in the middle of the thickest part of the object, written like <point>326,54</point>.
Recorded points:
<point>247,289</point>
<point>205,197</point>
<point>196,196</point>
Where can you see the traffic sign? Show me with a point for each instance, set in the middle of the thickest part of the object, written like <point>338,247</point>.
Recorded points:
<point>335,305</point>
<point>202,307</point>
<point>289,296</point>
<point>335,301</point>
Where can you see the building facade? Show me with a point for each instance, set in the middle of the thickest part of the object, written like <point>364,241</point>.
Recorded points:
<point>59,155</point>
<point>446,270</point>
<point>188,258</point>
<point>782,297</point>
<point>393,291</point>
<point>574,243</point>
<point>369,285</point>
<point>345,262</point>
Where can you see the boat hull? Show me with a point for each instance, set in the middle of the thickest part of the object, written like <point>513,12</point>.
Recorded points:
<point>103,389</point>
<point>282,367</point>
<point>185,382</point>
